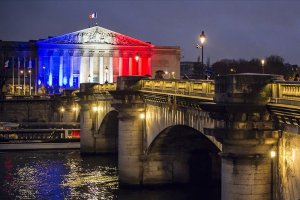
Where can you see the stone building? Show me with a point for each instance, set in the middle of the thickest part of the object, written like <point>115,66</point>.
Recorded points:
<point>94,54</point>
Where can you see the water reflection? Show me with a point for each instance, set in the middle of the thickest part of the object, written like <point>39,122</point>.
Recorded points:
<point>56,175</point>
<point>68,175</point>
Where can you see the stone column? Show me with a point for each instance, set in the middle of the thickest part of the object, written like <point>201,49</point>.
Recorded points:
<point>91,67</point>
<point>71,68</point>
<point>101,69</point>
<point>149,66</point>
<point>139,62</point>
<point>82,71</point>
<point>50,81</point>
<point>110,69</point>
<point>130,65</point>
<point>130,140</point>
<point>61,75</point>
<point>247,135</point>
<point>120,64</point>
<point>41,70</point>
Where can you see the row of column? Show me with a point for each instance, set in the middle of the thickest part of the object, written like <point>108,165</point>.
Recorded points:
<point>85,65</point>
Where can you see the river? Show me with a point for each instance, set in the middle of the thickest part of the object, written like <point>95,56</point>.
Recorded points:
<point>66,174</point>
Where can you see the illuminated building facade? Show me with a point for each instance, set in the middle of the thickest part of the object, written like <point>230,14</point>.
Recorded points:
<point>95,55</point>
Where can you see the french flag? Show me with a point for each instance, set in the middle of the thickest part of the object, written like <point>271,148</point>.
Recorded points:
<point>6,64</point>
<point>93,15</point>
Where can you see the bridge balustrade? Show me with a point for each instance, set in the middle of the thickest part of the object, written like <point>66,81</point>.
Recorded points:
<point>104,87</point>
<point>203,88</point>
<point>286,92</point>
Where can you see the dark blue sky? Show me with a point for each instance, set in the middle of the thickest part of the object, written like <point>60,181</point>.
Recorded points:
<point>234,29</point>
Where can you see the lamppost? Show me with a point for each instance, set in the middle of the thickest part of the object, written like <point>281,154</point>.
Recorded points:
<point>95,109</point>
<point>143,121</point>
<point>232,70</point>
<point>89,78</point>
<point>262,65</point>
<point>167,74</point>
<point>29,71</point>
<point>272,155</point>
<point>106,74</point>
<point>202,40</point>
<point>75,111</point>
<point>62,110</point>
<point>22,73</point>
<point>173,75</point>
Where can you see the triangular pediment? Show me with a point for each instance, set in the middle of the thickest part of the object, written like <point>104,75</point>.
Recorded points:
<point>95,35</point>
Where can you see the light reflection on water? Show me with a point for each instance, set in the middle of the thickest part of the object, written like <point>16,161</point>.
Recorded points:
<point>68,175</point>
<point>57,175</point>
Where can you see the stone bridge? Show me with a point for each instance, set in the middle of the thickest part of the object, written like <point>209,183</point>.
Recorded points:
<point>179,131</point>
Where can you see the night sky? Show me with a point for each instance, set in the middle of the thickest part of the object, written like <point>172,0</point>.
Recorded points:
<point>234,29</point>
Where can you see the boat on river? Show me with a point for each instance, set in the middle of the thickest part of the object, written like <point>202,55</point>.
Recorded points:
<point>39,136</point>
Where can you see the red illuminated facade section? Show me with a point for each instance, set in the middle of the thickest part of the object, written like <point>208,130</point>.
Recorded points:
<point>128,61</point>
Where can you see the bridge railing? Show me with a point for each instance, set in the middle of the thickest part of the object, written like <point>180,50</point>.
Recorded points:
<point>286,92</point>
<point>202,88</point>
<point>99,88</point>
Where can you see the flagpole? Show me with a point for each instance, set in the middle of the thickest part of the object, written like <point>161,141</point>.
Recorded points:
<point>36,64</point>
<point>24,77</point>
<point>29,71</point>
<point>19,91</point>
<point>13,75</point>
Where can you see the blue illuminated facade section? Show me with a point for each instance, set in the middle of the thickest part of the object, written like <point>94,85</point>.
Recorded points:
<point>54,70</point>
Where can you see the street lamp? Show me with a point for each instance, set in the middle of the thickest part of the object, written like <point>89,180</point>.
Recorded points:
<point>62,110</point>
<point>167,74</point>
<point>74,108</point>
<point>143,121</point>
<point>22,74</point>
<point>262,65</point>
<point>106,74</point>
<point>272,155</point>
<point>202,40</point>
<point>173,75</point>
<point>95,110</point>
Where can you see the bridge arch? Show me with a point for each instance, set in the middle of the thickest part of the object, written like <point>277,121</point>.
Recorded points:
<point>109,124</point>
<point>182,154</point>
<point>106,135</point>
<point>160,117</point>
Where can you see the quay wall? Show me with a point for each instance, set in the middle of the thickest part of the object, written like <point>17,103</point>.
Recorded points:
<point>28,111</point>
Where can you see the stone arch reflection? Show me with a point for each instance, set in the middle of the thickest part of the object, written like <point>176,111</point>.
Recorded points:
<point>181,154</point>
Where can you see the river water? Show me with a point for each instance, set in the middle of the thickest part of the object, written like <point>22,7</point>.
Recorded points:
<point>67,174</point>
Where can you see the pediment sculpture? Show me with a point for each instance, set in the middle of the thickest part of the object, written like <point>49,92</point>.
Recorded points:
<point>95,35</point>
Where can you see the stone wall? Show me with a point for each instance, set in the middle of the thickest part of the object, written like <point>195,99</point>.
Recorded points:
<point>27,111</point>
<point>288,174</point>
